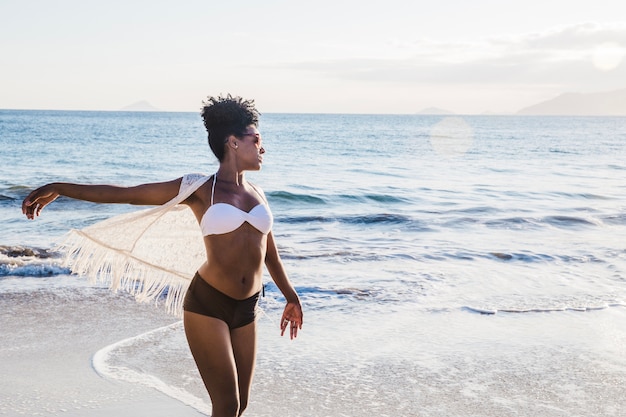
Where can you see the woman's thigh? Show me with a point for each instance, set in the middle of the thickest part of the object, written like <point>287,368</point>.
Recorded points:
<point>244,351</point>
<point>211,346</point>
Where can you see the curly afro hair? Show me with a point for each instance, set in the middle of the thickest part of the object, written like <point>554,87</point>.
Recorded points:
<point>225,116</point>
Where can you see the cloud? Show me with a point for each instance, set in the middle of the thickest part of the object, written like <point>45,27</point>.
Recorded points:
<point>566,56</point>
<point>576,37</point>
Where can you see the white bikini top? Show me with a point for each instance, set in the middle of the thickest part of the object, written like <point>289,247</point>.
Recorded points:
<point>221,218</point>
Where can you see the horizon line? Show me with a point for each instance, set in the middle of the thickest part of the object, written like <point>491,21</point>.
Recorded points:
<point>418,113</point>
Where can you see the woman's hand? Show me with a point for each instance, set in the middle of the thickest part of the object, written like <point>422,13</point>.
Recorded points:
<point>292,315</point>
<point>37,200</point>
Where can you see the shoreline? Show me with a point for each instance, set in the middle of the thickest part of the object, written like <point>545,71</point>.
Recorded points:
<point>57,338</point>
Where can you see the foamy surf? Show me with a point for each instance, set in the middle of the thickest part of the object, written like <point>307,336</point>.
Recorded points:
<point>486,310</point>
<point>104,366</point>
<point>24,261</point>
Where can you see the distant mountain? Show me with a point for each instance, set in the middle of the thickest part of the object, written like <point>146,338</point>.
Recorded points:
<point>434,111</point>
<point>142,105</point>
<point>610,103</point>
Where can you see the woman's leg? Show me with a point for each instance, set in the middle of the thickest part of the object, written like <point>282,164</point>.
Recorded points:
<point>244,349</point>
<point>211,346</point>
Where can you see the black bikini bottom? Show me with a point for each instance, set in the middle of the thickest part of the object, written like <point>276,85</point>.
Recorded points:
<point>202,298</point>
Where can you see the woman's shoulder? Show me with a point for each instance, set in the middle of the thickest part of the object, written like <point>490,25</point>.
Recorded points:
<point>193,181</point>
<point>191,178</point>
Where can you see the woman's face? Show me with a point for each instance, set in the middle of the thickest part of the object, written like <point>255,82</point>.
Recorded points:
<point>250,149</point>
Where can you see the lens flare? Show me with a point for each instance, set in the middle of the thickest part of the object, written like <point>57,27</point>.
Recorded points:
<point>451,137</point>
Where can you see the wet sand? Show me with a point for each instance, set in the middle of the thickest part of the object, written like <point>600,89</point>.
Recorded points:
<point>47,343</point>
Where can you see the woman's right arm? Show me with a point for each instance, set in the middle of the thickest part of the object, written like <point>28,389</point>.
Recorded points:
<point>144,194</point>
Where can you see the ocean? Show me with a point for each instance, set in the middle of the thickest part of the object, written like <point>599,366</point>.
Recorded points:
<point>447,265</point>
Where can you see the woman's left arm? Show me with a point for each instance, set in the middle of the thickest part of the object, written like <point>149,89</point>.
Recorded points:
<point>292,315</point>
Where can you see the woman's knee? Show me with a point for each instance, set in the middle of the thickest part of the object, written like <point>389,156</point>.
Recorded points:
<point>226,407</point>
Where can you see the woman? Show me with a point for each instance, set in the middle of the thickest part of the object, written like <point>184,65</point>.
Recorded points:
<point>220,304</point>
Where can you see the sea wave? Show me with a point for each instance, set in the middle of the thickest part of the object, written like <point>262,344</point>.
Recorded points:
<point>25,251</point>
<point>12,192</point>
<point>367,219</point>
<point>370,197</point>
<point>428,220</point>
<point>346,249</point>
<point>614,219</point>
<point>286,197</point>
<point>570,221</point>
<point>26,261</point>
<point>534,222</point>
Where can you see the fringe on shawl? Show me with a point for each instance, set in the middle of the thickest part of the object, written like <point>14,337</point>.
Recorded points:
<point>102,258</point>
<point>124,272</point>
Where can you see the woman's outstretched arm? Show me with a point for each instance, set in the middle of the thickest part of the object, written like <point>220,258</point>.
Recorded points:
<point>144,194</point>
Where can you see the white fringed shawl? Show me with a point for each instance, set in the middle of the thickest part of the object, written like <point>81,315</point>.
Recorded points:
<point>148,253</point>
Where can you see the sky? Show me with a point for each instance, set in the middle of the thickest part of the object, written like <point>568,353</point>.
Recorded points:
<point>336,56</point>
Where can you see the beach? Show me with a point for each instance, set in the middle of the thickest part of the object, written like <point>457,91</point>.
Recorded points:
<point>46,357</point>
<point>457,365</point>
<point>461,267</point>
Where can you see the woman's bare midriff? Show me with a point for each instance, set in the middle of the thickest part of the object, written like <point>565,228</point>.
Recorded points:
<point>234,263</point>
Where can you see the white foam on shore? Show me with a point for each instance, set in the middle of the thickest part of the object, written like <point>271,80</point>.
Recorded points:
<point>486,310</point>
<point>102,364</point>
<point>409,361</point>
